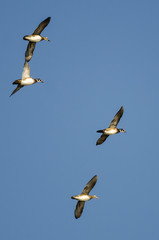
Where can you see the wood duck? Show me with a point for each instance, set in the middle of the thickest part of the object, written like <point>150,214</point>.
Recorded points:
<point>84,196</point>
<point>34,38</point>
<point>26,79</point>
<point>111,130</point>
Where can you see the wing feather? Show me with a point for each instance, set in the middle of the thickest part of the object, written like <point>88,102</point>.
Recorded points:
<point>116,118</point>
<point>41,26</point>
<point>29,51</point>
<point>102,139</point>
<point>90,185</point>
<point>17,89</point>
<point>79,209</point>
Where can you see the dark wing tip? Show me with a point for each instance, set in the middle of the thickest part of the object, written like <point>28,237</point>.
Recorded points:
<point>77,217</point>
<point>95,176</point>
<point>48,19</point>
<point>122,108</point>
<point>99,141</point>
<point>94,179</point>
<point>13,92</point>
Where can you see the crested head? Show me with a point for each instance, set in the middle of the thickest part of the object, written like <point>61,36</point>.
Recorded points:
<point>38,80</point>
<point>122,130</point>
<point>94,196</point>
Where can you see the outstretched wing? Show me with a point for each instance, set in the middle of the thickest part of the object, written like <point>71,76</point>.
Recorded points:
<point>41,26</point>
<point>117,117</point>
<point>29,51</point>
<point>26,71</point>
<point>90,185</point>
<point>17,89</point>
<point>79,209</point>
<point>102,138</point>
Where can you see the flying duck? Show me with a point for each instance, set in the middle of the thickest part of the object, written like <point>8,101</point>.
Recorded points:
<point>34,38</point>
<point>26,79</point>
<point>111,130</point>
<point>84,196</point>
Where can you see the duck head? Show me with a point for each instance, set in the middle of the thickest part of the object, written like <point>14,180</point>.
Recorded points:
<point>94,196</point>
<point>122,130</point>
<point>38,80</point>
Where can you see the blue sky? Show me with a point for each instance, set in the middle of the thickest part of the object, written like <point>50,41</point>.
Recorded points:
<point>102,55</point>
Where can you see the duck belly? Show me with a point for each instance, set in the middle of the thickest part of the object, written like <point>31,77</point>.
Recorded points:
<point>83,198</point>
<point>33,38</point>
<point>28,81</point>
<point>110,131</point>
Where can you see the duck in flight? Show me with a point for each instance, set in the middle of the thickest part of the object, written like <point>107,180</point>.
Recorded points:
<point>26,79</point>
<point>111,130</point>
<point>84,196</point>
<point>34,38</point>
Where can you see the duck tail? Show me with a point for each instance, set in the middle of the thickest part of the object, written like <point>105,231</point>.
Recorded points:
<point>15,82</point>
<point>100,131</point>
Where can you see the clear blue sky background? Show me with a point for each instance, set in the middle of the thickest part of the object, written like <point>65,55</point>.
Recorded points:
<point>102,55</point>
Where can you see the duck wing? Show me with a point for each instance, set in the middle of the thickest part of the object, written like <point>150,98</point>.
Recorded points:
<point>102,139</point>
<point>90,185</point>
<point>41,26</point>
<point>17,89</point>
<point>26,71</point>
<point>29,51</point>
<point>117,117</point>
<point>79,209</point>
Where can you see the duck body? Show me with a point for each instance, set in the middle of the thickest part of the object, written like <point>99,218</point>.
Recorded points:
<point>28,81</point>
<point>35,38</point>
<point>110,131</point>
<point>25,82</point>
<point>83,197</point>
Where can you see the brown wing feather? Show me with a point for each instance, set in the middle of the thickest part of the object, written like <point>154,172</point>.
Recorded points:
<point>102,139</point>
<point>29,51</point>
<point>117,117</point>
<point>41,26</point>
<point>17,89</point>
<point>79,209</point>
<point>90,185</point>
